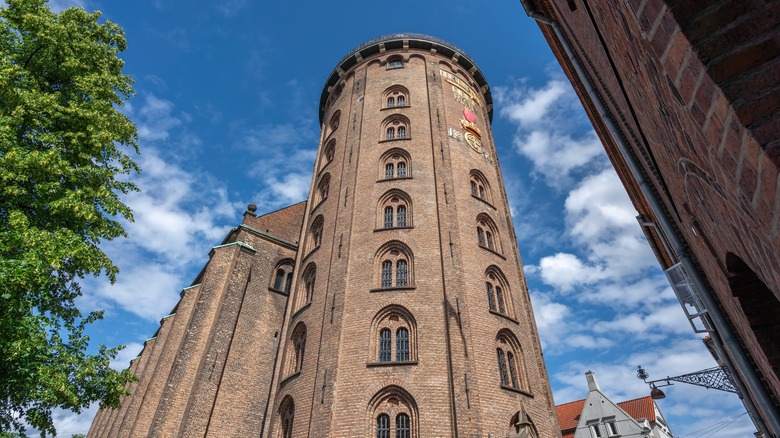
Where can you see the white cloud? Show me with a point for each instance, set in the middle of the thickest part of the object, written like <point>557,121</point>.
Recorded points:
<point>178,216</point>
<point>230,8</point>
<point>551,130</point>
<point>130,352</point>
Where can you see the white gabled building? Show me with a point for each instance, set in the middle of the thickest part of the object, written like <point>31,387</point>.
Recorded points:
<point>599,417</point>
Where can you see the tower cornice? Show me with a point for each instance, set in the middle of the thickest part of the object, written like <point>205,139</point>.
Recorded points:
<point>402,41</point>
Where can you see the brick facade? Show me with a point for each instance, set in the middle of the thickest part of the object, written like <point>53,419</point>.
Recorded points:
<point>389,318</point>
<point>693,90</point>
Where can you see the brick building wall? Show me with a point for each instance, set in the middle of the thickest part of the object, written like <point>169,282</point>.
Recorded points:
<point>386,317</point>
<point>693,88</point>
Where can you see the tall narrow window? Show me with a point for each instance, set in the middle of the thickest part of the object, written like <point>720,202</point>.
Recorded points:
<point>473,188</point>
<point>401,222</point>
<point>309,288</point>
<point>481,192</point>
<point>401,100</point>
<point>387,273</point>
<point>502,367</point>
<point>389,170</point>
<point>401,132</point>
<point>286,415</point>
<point>288,283</point>
<point>401,274</point>
<point>279,279</point>
<point>383,426</point>
<point>390,102</point>
<point>510,358</point>
<point>480,236</point>
<point>402,426</point>
<point>402,345</point>
<point>401,170</point>
<point>489,238</point>
<point>500,299</point>
<point>390,133</point>
<point>385,344</point>
<point>491,301</point>
<point>388,217</point>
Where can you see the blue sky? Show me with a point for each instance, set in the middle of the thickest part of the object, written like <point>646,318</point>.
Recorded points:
<point>226,109</point>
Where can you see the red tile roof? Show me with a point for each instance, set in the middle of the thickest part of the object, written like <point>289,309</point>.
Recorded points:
<point>569,413</point>
<point>637,408</point>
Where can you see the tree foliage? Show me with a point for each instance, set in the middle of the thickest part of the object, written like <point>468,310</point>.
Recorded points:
<point>62,161</point>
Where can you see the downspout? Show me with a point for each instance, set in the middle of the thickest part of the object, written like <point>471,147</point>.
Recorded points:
<point>740,360</point>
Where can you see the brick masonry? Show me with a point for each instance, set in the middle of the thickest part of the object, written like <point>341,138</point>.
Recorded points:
<point>229,363</point>
<point>694,88</point>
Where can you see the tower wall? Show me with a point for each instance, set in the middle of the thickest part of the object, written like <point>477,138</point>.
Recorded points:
<point>450,383</point>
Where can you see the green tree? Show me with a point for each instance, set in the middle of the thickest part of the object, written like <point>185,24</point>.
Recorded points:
<point>62,170</point>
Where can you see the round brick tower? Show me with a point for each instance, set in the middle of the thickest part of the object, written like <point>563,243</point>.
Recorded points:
<point>409,315</point>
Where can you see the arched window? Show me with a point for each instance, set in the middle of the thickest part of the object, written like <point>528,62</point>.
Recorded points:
<point>401,274</point>
<point>394,264</point>
<point>388,217</point>
<point>402,345</point>
<point>392,413</point>
<point>385,345</point>
<point>323,188</point>
<point>315,232</point>
<point>383,426</point>
<point>491,296</point>
<point>401,169</point>
<point>511,369</point>
<point>335,120</point>
<point>286,415</point>
<point>282,278</point>
<point>498,296</point>
<point>395,62</point>
<point>401,216</point>
<point>395,163</point>
<point>396,96</point>
<point>298,343</point>
<point>479,186</point>
<point>393,336</point>
<point>487,233</point>
<point>306,287</point>
<point>396,210</point>
<point>279,280</point>
<point>328,153</point>
<point>396,127</point>
<point>387,273</point>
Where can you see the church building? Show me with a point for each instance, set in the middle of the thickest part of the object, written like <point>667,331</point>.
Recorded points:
<point>391,303</point>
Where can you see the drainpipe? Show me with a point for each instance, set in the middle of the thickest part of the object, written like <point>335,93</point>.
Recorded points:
<point>740,359</point>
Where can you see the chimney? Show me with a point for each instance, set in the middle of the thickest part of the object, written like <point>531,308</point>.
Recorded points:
<point>593,385</point>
